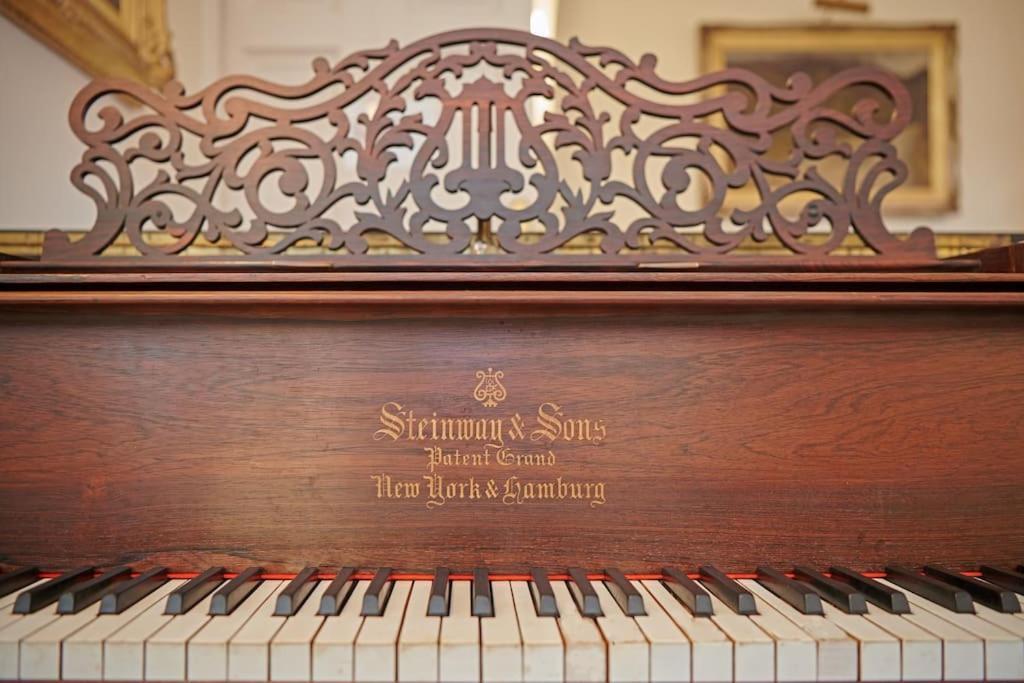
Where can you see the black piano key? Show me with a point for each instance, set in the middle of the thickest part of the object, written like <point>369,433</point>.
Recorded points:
<point>889,599</point>
<point>290,599</point>
<point>995,597</point>
<point>437,605</point>
<point>1010,580</point>
<point>36,598</point>
<point>17,580</point>
<point>229,596</point>
<point>377,594</point>
<point>81,595</point>
<point>337,593</point>
<point>123,596</point>
<point>688,592</point>
<point>950,597</point>
<point>186,596</point>
<point>584,594</point>
<point>483,600</point>
<point>842,595</point>
<point>625,593</point>
<point>804,599</point>
<point>543,596</point>
<point>738,598</point>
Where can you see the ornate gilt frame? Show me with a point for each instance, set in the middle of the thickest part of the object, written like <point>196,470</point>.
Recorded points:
<point>940,195</point>
<point>127,39</point>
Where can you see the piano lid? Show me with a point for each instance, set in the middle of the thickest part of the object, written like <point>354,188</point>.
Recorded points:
<point>493,149</point>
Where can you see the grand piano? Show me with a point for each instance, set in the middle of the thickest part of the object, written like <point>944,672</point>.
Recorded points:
<point>459,361</point>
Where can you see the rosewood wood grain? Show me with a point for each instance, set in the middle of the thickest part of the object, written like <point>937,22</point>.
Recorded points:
<point>228,433</point>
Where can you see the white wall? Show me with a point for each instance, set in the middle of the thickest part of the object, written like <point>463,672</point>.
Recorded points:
<point>37,148</point>
<point>990,54</point>
<point>278,40</point>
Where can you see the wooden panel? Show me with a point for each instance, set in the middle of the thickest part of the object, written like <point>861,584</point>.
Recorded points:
<point>230,433</point>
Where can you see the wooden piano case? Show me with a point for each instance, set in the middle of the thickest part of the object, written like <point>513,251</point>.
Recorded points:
<point>492,397</point>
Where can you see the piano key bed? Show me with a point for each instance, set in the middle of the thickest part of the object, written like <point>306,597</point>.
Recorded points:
<point>801,625</point>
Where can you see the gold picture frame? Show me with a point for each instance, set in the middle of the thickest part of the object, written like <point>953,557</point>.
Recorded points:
<point>923,56</point>
<point>105,38</point>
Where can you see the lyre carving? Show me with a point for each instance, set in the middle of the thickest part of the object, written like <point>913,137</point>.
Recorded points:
<point>544,142</point>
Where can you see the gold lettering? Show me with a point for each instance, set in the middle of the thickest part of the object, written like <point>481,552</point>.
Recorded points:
<point>509,458</point>
<point>440,491</point>
<point>550,425</point>
<point>480,438</point>
<point>389,488</point>
<point>554,425</point>
<point>393,425</point>
<point>516,491</point>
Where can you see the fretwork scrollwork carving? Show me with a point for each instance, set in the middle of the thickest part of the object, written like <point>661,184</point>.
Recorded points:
<point>542,142</point>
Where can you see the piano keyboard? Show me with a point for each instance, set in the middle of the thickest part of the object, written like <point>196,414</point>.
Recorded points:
<point>803,625</point>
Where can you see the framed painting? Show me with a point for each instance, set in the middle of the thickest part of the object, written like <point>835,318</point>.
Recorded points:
<point>921,56</point>
<point>105,38</point>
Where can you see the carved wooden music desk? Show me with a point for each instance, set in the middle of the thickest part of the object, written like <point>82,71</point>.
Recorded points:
<point>475,302</point>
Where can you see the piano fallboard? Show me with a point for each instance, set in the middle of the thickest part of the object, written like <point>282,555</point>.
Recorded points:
<point>508,420</point>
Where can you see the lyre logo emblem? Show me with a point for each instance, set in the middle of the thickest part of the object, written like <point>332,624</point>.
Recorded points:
<point>490,391</point>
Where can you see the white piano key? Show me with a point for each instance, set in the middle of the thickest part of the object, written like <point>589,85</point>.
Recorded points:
<point>459,650</point>
<point>291,650</point>
<point>9,648</point>
<point>334,646</point>
<point>712,652</point>
<point>670,648</point>
<point>585,654</point>
<point>419,637</point>
<point>1007,622</point>
<point>837,651</point>
<point>208,649</point>
<point>879,651</point>
<point>920,651</point>
<point>39,653</point>
<point>796,653</point>
<point>1004,652</point>
<point>376,644</point>
<point>501,647</point>
<point>82,653</point>
<point>629,653</point>
<point>164,655</point>
<point>249,649</point>
<point>124,650</point>
<point>12,634</point>
<point>543,652</point>
<point>754,651</point>
<point>963,654</point>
